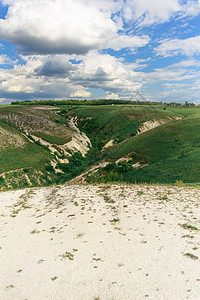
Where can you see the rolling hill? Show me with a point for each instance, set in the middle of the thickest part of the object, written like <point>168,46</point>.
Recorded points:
<point>43,144</point>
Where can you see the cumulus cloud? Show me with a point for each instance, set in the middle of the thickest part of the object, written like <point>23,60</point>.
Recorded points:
<point>57,66</point>
<point>60,42</point>
<point>43,77</point>
<point>80,94</point>
<point>189,47</point>
<point>112,96</point>
<point>64,26</point>
<point>108,73</point>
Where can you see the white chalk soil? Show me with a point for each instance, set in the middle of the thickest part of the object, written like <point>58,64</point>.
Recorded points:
<point>100,242</point>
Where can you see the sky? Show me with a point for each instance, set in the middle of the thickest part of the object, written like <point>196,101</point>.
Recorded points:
<point>100,49</point>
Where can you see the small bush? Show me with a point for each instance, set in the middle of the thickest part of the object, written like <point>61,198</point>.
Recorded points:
<point>49,168</point>
<point>1,180</point>
<point>140,193</point>
<point>186,226</point>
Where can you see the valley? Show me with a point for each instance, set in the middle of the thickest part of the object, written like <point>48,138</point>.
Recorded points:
<point>51,144</point>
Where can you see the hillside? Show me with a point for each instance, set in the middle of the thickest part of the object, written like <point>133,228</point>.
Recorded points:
<point>42,145</point>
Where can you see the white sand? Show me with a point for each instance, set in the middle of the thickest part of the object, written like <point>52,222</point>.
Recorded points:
<point>69,243</point>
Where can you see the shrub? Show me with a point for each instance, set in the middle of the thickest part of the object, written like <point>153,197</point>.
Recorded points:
<point>1,180</point>
<point>49,168</point>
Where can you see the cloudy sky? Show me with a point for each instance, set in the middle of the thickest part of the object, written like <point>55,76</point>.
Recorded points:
<point>91,49</point>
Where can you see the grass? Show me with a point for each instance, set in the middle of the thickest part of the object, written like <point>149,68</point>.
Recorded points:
<point>34,231</point>
<point>140,193</point>
<point>68,255</point>
<point>187,226</point>
<point>164,198</point>
<point>116,122</point>
<point>172,139</point>
<point>115,220</point>
<point>188,236</point>
<point>108,199</point>
<point>31,155</point>
<point>192,256</point>
<point>168,154</point>
<point>53,139</point>
<point>172,152</point>
<point>26,162</point>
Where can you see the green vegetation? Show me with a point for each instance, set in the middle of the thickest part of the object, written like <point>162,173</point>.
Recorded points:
<point>53,139</point>
<point>172,152</point>
<point>115,122</point>
<point>17,151</point>
<point>140,193</point>
<point>115,220</point>
<point>186,226</point>
<point>12,159</point>
<point>84,102</point>
<point>166,154</point>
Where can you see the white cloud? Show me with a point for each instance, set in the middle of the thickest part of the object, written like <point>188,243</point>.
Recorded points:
<point>112,77</point>
<point>50,34</point>
<point>192,7</point>
<point>2,100</point>
<point>46,77</point>
<point>107,72</point>
<point>124,41</point>
<point>189,47</point>
<point>174,73</point>
<point>57,65</point>
<point>148,12</point>
<point>177,82</point>
<point>80,94</point>
<point>4,59</point>
<point>189,92</point>
<point>112,96</point>
<point>65,26</point>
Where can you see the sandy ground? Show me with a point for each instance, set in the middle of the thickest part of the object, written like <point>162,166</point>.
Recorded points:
<point>100,242</point>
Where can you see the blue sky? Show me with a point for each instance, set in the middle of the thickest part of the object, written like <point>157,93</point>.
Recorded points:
<point>91,49</point>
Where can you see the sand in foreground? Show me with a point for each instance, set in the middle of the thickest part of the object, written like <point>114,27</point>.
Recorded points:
<point>100,242</point>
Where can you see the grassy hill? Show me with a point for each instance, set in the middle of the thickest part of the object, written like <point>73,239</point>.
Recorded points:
<point>166,154</point>
<point>172,152</point>
<point>42,144</point>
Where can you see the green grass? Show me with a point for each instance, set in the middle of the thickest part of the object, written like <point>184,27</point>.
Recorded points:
<point>140,193</point>
<point>183,110</point>
<point>187,226</point>
<point>14,157</point>
<point>116,122</point>
<point>163,141</point>
<point>53,139</point>
<point>31,155</point>
<point>171,150</point>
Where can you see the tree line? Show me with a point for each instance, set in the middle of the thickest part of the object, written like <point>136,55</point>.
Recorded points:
<point>95,102</point>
